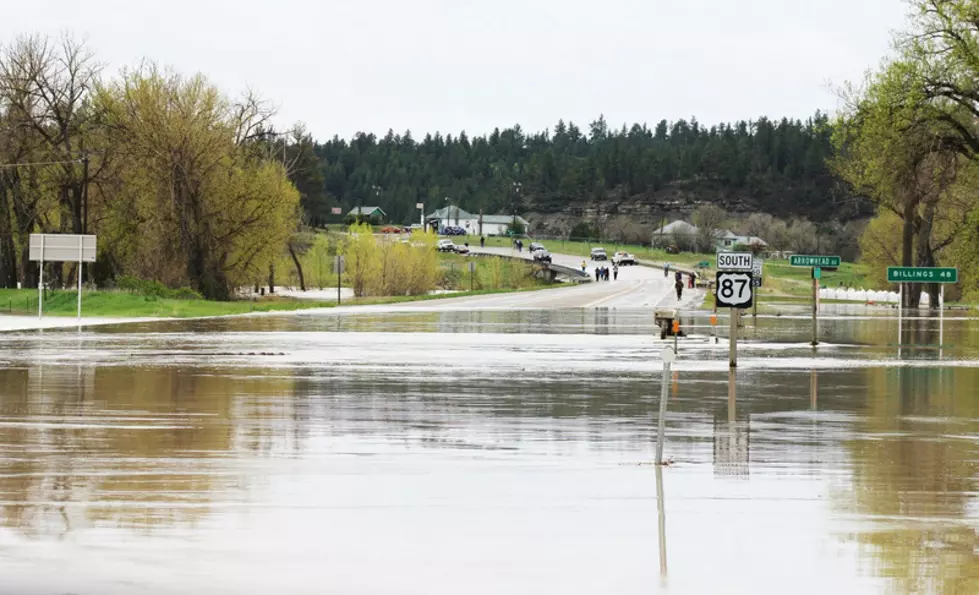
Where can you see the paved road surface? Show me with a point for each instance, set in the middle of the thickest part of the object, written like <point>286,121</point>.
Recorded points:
<point>636,287</point>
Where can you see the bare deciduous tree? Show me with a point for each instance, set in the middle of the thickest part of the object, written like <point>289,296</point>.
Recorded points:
<point>710,220</point>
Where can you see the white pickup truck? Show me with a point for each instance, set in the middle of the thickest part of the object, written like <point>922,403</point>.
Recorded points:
<point>623,258</point>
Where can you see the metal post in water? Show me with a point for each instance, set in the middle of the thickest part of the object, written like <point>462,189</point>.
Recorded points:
<point>668,357</point>
<point>900,310</point>
<point>676,333</point>
<point>941,318</point>
<point>733,337</point>
<point>79,275</point>
<point>40,284</point>
<point>815,310</point>
<point>732,397</point>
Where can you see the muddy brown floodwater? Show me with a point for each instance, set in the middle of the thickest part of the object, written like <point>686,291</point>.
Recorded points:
<point>488,452</point>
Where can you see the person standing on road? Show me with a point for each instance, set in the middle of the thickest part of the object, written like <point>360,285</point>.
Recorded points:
<point>584,266</point>
<point>666,269</point>
<point>598,273</point>
<point>691,282</point>
<point>679,288</point>
<point>482,242</point>
<point>615,272</point>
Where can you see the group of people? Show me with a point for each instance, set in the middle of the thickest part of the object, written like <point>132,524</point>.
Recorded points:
<point>602,273</point>
<point>691,283</point>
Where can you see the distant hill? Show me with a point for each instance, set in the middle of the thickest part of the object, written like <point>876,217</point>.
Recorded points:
<point>647,173</point>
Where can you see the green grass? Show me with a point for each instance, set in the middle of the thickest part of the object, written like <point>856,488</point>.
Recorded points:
<point>124,304</point>
<point>118,304</point>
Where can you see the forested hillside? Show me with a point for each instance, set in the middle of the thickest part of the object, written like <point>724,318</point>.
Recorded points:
<point>775,167</point>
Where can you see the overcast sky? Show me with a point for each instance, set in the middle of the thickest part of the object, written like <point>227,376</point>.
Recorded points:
<point>451,65</point>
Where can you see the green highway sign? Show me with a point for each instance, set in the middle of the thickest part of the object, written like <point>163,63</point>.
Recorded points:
<point>804,260</point>
<point>922,275</point>
<point>817,273</point>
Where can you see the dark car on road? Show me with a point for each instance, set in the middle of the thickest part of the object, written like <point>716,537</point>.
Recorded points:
<point>542,255</point>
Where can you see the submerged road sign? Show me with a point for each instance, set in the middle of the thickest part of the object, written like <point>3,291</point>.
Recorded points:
<point>734,290</point>
<point>806,260</point>
<point>922,275</point>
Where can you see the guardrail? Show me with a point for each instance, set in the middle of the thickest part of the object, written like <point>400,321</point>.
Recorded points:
<point>574,275</point>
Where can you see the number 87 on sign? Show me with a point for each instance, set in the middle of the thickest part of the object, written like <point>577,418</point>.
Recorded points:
<point>734,290</point>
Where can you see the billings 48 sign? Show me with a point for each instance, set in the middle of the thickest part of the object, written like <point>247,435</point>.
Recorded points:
<point>734,290</point>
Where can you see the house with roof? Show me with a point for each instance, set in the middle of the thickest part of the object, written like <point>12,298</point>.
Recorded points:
<point>367,214</point>
<point>685,236</point>
<point>473,224</point>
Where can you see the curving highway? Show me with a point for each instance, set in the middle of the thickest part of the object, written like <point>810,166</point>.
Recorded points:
<point>636,287</point>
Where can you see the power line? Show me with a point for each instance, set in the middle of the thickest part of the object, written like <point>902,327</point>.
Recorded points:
<point>30,163</point>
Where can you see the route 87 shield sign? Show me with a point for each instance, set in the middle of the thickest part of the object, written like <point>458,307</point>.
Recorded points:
<point>734,290</point>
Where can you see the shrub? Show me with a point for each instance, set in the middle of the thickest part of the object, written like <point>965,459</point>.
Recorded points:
<point>154,289</point>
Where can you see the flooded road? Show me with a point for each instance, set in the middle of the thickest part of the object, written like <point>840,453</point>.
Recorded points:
<point>488,451</point>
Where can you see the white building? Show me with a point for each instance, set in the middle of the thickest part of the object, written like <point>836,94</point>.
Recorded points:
<point>487,225</point>
<point>687,234</point>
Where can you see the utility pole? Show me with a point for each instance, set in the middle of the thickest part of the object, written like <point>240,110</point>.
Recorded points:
<point>513,206</point>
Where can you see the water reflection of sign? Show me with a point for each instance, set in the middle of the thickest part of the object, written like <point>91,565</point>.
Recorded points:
<point>731,441</point>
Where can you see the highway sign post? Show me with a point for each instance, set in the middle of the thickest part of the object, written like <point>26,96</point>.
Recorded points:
<point>807,260</point>
<point>922,275</point>
<point>472,274</point>
<point>757,267</point>
<point>733,290</point>
<point>62,247</point>
<point>668,356</point>
<point>734,261</point>
<point>940,275</point>
<point>817,264</point>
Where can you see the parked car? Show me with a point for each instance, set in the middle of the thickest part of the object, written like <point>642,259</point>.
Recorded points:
<point>445,246</point>
<point>535,246</point>
<point>623,258</point>
<point>453,230</point>
<point>598,254</point>
<point>462,249</point>
<point>542,255</point>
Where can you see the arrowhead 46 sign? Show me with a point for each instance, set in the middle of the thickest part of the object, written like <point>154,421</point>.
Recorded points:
<point>734,290</point>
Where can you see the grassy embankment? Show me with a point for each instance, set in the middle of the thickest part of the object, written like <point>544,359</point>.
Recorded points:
<point>147,299</point>
<point>118,304</point>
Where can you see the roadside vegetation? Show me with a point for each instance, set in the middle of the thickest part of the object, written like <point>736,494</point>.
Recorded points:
<point>492,273</point>
<point>907,139</point>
